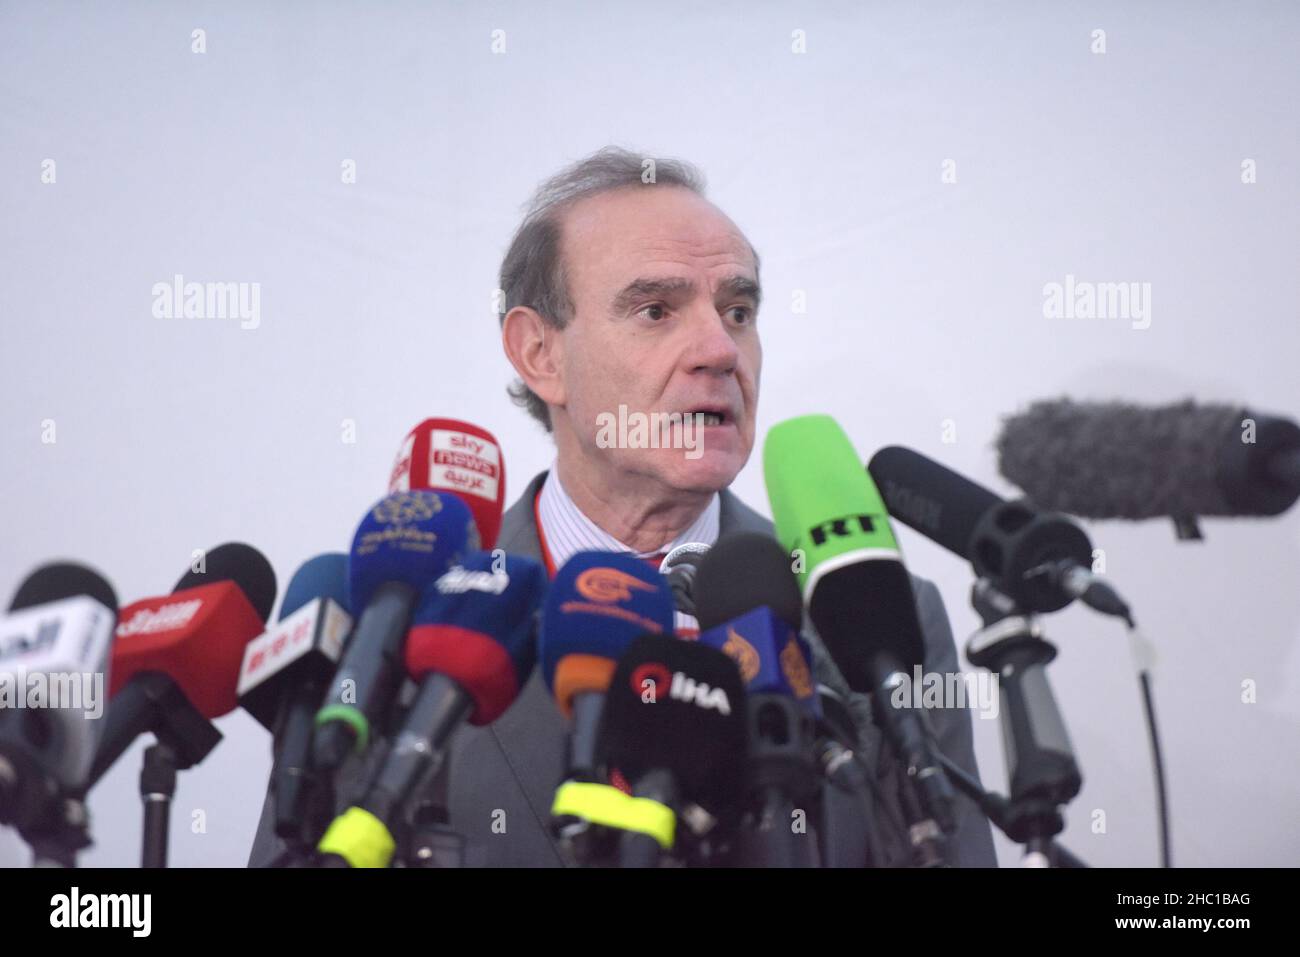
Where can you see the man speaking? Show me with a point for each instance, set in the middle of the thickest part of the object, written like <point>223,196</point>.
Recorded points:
<point>627,294</point>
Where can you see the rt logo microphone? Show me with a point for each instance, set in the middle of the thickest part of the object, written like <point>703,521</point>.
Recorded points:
<point>839,527</point>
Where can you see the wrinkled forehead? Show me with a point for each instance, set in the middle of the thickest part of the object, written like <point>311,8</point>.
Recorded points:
<point>615,237</point>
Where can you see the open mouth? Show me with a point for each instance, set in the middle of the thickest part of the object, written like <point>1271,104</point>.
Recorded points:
<point>710,417</point>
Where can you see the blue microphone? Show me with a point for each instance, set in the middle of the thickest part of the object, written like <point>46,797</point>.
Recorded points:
<point>599,603</point>
<point>404,543</point>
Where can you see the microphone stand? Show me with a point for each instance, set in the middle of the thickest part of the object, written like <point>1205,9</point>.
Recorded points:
<point>1041,768</point>
<point>782,778</point>
<point>157,788</point>
<point>56,843</point>
<point>431,842</point>
<point>994,807</point>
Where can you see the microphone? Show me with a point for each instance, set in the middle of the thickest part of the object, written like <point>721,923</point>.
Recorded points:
<point>471,648</point>
<point>1179,461</point>
<point>284,675</point>
<point>447,455</point>
<point>750,609</point>
<point>1041,560</point>
<point>404,543</point>
<point>598,603</point>
<point>674,730</point>
<point>176,660</point>
<point>742,583</point>
<point>54,641</point>
<point>859,597</point>
<point>679,566</point>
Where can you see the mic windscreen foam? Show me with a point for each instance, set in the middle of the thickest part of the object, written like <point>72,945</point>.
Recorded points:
<point>931,498</point>
<point>744,571</point>
<point>447,455</point>
<point>477,625</point>
<point>325,576</point>
<point>677,706</point>
<point>1119,460</point>
<point>772,657</point>
<point>58,580</point>
<point>407,537</point>
<point>826,507</point>
<point>598,603</point>
<point>239,563</point>
<point>196,635</point>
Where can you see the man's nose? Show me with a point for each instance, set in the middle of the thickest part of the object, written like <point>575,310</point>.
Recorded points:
<point>711,349</point>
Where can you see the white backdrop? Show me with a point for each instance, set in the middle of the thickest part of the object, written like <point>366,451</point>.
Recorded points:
<point>924,301</point>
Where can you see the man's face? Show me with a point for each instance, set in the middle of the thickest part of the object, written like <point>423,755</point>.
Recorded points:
<point>664,289</point>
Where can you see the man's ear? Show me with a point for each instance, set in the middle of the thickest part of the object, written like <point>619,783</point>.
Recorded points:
<point>536,350</point>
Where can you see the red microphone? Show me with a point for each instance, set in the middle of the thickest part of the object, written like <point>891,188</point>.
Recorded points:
<point>196,636</point>
<point>447,455</point>
<point>177,658</point>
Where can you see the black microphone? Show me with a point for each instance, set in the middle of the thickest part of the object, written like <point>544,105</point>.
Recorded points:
<point>750,608</point>
<point>1179,461</point>
<point>54,654</point>
<point>283,679</point>
<point>673,729</point>
<point>1041,560</point>
<point>680,566</point>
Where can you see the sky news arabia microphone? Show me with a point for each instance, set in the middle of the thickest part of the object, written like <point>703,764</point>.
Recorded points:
<point>403,544</point>
<point>283,679</point>
<point>176,660</point>
<point>1180,461</point>
<point>447,455</point>
<point>673,731</point>
<point>859,597</point>
<point>750,608</point>
<point>1041,560</point>
<point>56,637</point>
<point>471,647</point>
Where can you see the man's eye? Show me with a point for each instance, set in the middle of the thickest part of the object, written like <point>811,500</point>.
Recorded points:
<point>656,314</point>
<point>741,314</point>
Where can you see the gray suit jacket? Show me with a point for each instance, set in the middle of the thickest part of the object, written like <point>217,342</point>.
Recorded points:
<point>503,776</point>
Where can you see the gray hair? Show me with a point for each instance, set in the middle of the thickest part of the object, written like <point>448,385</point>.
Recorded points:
<point>532,273</point>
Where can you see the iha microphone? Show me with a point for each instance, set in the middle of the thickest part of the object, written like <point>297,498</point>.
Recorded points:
<point>403,544</point>
<point>55,640</point>
<point>176,659</point>
<point>285,673</point>
<point>447,455</point>
<point>470,649</point>
<point>674,731</point>
<point>1121,460</point>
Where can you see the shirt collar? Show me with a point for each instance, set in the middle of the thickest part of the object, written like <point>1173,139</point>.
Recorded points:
<point>568,530</point>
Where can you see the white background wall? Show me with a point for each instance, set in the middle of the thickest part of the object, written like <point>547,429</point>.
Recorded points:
<point>924,300</point>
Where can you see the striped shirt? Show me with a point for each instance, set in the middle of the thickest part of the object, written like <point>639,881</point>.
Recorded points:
<point>566,530</point>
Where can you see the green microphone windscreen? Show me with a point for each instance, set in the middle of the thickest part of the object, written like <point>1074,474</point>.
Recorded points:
<point>831,518</point>
<point>824,504</point>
